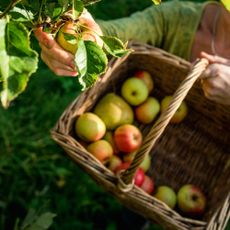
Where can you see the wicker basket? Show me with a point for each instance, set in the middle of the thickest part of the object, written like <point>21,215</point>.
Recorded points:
<point>195,151</point>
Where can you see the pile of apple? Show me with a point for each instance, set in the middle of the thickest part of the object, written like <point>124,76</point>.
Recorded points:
<point>109,132</point>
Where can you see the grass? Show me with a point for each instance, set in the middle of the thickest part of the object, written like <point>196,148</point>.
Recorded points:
<point>35,173</point>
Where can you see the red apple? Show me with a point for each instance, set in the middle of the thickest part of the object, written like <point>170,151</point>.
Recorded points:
<point>167,195</point>
<point>128,138</point>
<point>146,77</point>
<point>89,127</point>
<point>139,177</point>
<point>114,163</point>
<point>101,149</point>
<point>191,200</point>
<point>122,166</point>
<point>148,185</point>
<point>148,110</point>
<point>181,112</point>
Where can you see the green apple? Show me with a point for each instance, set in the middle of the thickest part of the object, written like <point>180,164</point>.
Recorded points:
<point>146,163</point>
<point>89,127</point>
<point>191,200</point>
<point>146,77</point>
<point>167,195</point>
<point>148,110</point>
<point>109,137</point>
<point>114,111</point>
<point>181,112</point>
<point>134,91</point>
<point>101,149</point>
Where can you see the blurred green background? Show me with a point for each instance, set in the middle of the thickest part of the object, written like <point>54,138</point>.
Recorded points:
<point>35,173</point>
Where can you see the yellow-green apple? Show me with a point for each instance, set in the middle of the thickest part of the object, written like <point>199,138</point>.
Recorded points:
<point>128,138</point>
<point>148,185</point>
<point>146,77</point>
<point>146,163</point>
<point>89,127</point>
<point>167,195</point>
<point>101,149</point>
<point>69,29</point>
<point>109,137</point>
<point>148,110</point>
<point>114,111</point>
<point>114,163</point>
<point>181,112</point>
<point>134,91</point>
<point>128,157</point>
<point>69,34</point>
<point>191,200</point>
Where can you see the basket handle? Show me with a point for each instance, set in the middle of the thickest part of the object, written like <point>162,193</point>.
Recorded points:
<point>126,177</point>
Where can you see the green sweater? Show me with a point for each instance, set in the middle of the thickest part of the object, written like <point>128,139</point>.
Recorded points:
<point>170,26</point>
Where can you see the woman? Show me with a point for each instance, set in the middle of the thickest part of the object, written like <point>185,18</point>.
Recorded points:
<point>187,29</point>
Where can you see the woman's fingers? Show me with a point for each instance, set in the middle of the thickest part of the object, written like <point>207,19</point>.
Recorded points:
<point>215,59</point>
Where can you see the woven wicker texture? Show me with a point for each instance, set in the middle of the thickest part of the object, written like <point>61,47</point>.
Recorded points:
<point>194,151</point>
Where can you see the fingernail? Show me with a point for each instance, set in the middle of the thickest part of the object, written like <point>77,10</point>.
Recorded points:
<point>74,74</point>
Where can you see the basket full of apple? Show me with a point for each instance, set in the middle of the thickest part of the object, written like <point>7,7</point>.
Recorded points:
<point>147,135</point>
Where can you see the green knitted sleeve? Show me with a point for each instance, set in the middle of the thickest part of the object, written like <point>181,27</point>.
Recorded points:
<point>170,26</point>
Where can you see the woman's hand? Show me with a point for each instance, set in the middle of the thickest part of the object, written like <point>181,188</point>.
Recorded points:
<point>57,59</point>
<point>216,79</point>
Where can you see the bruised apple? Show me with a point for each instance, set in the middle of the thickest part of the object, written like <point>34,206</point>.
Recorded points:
<point>101,149</point>
<point>181,112</point>
<point>128,138</point>
<point>89,127</point>
<point>146,77</point>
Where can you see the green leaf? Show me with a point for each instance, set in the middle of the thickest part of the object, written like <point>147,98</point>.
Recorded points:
<point>91,61</point>
<point>114,46</point>
<point>78,8</point>
<point>90,2</point>
<point>70,38</point>
<point>17,60</point>
<point>156,2</point>
<point>43,222</point>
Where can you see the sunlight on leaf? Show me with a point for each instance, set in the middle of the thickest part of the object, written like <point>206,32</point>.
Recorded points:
<point>156,2</point>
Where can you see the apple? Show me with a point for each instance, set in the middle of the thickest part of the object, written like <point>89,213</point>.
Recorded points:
<point>134,91</point>
<point>146,163</point>
<point>109,137</point>
<point>123,166</point>
<point>68,29</point>
<point>114,111</point>
<point>128,157</point>
<point>101,149</point>
<point>128,138</point>
<point>139,177</point>
<point>181,112</point>
<point>89,127</point>
<point>167,195</point>
<point>148,185</point>
<point>148,110</point>
<point>114,163</point>
<point>146,77</point>
<point>191,200</point>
